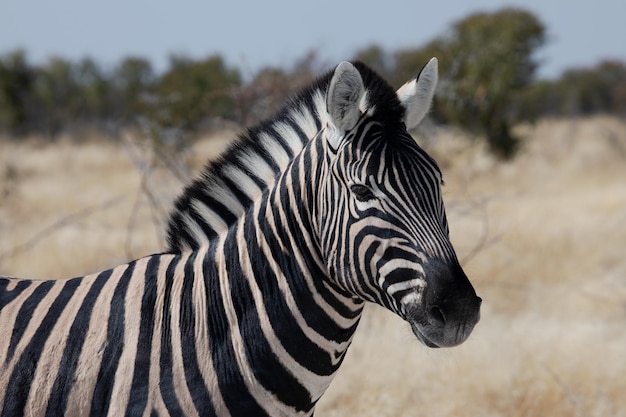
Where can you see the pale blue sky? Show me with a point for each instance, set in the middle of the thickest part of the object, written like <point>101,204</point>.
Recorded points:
<point>255,34</point>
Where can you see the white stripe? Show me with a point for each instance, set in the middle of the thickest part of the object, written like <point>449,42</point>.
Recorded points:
<point>405,285</point>
<point>257,164</point>
<point>197,234</point>
<point>292,138</point>
<point>209,216</point>
<point>182,393</point>
<point>393,264</point>
<point>202,335</point>
<point>132,322</point>
<point>222,193</point>
<point>48,365</point>
<point>90,358</point>
<point>305,120</point>
<point>275,149</point>
<point>243,181</point>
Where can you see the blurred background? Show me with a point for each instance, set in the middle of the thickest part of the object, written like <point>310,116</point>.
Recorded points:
<point>108,109</point>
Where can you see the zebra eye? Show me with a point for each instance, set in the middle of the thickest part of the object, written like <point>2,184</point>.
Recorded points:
<point>362,192</point>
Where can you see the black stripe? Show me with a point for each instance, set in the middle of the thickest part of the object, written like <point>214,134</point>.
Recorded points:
<point>195,382</point>
<point>166,378</point>
<point>217,206</point>
<point>268,370</point>
<point>309,103</point>
<point>7,296</point>
<point>296,224</point>
<point>298,129</point>
<point>25,314</point>
<point>113,350</point>
<point>264,154</point>
<point>284,323</point>
<point>231,384</point>
<point>253,145</point>
<point>141,375</point>
<point>271,130</point>
<point>18,388</point>
<point>236,191</point>
<point>302,222</point>
<point>75,339</point>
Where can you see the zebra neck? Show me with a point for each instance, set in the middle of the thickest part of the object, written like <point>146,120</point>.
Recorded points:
<point>283,246</point>
<point>269,271</point>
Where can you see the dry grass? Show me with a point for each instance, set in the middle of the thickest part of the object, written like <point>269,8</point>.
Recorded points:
<point>83,208</point>
<point>550,265</point>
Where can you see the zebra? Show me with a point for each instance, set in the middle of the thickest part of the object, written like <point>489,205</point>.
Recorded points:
<point>252,309</point>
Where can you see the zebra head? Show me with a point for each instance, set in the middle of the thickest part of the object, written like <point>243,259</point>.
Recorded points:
<point>383,225</point>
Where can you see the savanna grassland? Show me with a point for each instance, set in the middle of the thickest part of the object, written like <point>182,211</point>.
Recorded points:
<point>543,239</point>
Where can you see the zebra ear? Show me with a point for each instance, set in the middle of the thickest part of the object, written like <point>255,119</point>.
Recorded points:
<point>343,98</point>
<point>417,95</point>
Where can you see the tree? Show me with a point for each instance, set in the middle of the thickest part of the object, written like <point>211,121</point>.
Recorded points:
<point>263,96</point>
<point>593,90</point>
<point>58,95</point>
<point>267,92</point>
<point>16,85</point>
<point>579,91</point>
<point>193,91</point>
<point>486,62</point>
<point>95,93</point>
<point>132,81</point>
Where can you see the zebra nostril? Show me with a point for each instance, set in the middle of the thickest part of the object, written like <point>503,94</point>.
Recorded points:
<point>437,316</point>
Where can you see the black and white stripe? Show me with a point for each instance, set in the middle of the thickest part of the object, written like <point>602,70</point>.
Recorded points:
<point>229,185</point>
<point>254,307</point>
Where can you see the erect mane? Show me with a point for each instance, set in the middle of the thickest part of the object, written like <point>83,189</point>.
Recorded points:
<point>230,184</point>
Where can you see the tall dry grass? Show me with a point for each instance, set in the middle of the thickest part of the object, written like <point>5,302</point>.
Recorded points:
<point>543,239</point>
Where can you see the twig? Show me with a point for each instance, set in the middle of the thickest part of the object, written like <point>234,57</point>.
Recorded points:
<point>149,156</point>
<point>156,213</point>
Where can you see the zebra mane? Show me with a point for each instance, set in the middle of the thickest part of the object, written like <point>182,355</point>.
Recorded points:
<point>230,184</point>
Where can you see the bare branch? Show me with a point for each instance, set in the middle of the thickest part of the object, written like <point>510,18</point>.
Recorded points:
<point>147,156</point>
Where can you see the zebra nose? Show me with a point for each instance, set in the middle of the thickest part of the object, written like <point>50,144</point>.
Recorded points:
<point>448,315</point>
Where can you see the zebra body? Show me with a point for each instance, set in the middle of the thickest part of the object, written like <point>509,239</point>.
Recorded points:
<point>254,309</point>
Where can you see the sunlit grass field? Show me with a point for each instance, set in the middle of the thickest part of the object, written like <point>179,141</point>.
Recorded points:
<point>542,238</point>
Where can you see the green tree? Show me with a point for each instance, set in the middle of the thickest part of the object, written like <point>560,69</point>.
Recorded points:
<point>133,80</point>
<point>487,61</point>
<point>263,96</point>
<point>593,90</point>
<point>579,91</point>
<point>268,91</point>
<point>191,92</point>
<point>16,84</point>
<point>58,95</point>
<point>94,92</point>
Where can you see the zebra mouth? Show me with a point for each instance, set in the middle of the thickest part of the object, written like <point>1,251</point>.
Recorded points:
<point>422,337</point>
